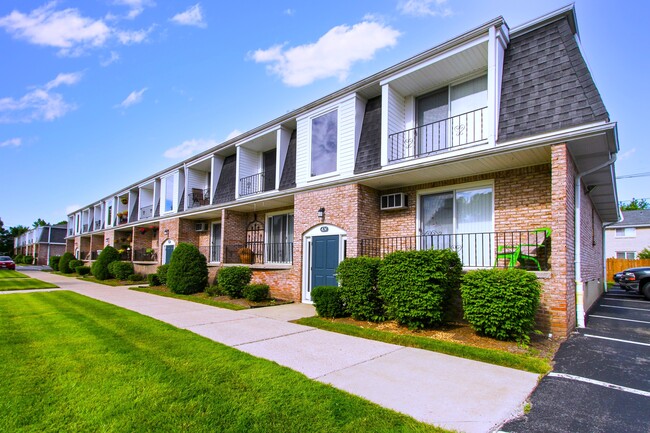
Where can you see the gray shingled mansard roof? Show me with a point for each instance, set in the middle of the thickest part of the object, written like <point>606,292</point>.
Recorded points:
<point>633,218</point>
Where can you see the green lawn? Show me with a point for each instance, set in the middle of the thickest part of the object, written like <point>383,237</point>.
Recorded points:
<point>7,274</point>
<point>23,282</point>
<point>201,298</point>
<point>70,363</point>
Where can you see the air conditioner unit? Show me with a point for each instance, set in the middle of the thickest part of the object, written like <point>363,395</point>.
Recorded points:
<point>201,227</point>
<point>394,201</point>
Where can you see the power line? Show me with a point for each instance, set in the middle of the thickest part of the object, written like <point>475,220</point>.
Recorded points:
<point>629,176</point>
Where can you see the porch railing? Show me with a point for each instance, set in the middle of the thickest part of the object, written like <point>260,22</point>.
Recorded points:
<point>125,256</point>
<point>522,249</point>
<point>70,232</point>
<point>440,136</point>
<point>212,253</point>
<point>145,255</point>
<point>198,198</point>
<point>146,212</point>
<point>98,225</point>
<point>253,184</point>
<point>257,253</point>
<point>84,228</point>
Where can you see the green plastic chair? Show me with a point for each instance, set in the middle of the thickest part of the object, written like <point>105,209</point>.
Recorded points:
<point>517,253</point>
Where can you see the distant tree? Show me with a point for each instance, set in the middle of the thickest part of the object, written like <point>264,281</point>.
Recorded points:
<point>635,204</point>
<point>40,223</point>
<point>62,222</point>
<point>18,230</point>
<point>644,254</point>
<point>6,239</point>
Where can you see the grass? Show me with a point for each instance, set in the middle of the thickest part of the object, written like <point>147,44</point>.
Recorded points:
<point>4,274</point>
<point>490,356</point>
<point>74,364</point>
<point>199,298</point>
<point>12,280</point>
<point>110,282</point>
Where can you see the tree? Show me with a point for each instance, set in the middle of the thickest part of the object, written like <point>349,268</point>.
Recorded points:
<point>99,268</point>
<point>6,239</point>
<point>40,223</point>
<point>644,253</point>
<point>635,204</point>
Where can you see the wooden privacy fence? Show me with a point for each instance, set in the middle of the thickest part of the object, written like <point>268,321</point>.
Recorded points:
<point>618,265</point>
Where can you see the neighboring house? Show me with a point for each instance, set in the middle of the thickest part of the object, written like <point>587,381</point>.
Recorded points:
<point>626,239</point>
<point>494,143</point>
<point>42,243</point>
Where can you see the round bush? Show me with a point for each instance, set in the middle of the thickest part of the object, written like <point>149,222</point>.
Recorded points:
<point>19,259</point>
<point>54,262</point>
<point>214,290</point>
<point>153,280</point>
<point>256,292</point>
<point>64,263</point>
<point>417,285</point>
<point>136,277</point>
<point>327,301</point>
<point>188,270</point>
<point>162,274</point>
<point>28,260</point>
<point>82,270</point>
<point>233,279</point>
<point>357,277</point>
<point>99,268</point>
<point>121,270</point>
<point>73,264</point>
<point>501,303</point>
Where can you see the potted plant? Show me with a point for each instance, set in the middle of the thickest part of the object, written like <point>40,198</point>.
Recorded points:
<point>124,200</point>
<point>245,255</point>
<point>143,230</point>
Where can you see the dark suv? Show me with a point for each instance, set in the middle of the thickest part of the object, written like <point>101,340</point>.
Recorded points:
<point>636,279</point>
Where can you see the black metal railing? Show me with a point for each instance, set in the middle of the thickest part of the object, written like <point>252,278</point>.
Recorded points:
<point>125,255</point>
<point>198,198</point>
<point>522,249</point>
<point>84,228</point>
<point>122,220</point>
<point>257,253</point>
<point>212,253</point>
<point>146,212</point>
<point>98,225</point>
<point>84,255</point>
<point>440,136</point>
<point>94,254</point>
<point>70,232</point>
<point>253,184</point>
<point>145,255</point>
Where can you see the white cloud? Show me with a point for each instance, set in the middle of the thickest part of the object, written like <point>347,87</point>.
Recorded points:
<point>134,97</point>
<point>12,142</point>
<point>424,8</point>
<point>71,208</point>
<point>331,56</point>
<point>65,29</point>
<point>40,103</point>
<point>234,133</point>
<point>136,7</point>
<point>129,37</point>
<point>627,154</point>
<point>191,17</point>
<point>114,57</point>
<point>189,148</point>
<point>289,12</point>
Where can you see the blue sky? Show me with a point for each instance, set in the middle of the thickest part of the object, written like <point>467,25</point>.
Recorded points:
<point>96,95</point>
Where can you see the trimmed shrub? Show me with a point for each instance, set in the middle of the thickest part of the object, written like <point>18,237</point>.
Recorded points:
<point>99,268</point>
<point>54,262</point>
<point>358,288</point>
<point>214,290</point>
<point>82,270</point>
<point>64,263</point>
<point>19,259</point>
<point>135,277</point>
<point>233,279</point>
<point>188,270</point>
<point>501,303</point>
<point>153,280</point>
<point>327,300</point>
<point>256,292</point>
<point>121,270</point>
<point>73,264</point>
<point>28,260</point>
<point>162,274</point>
<point>417,285</point>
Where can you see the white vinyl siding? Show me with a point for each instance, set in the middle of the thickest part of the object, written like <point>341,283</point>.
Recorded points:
<point>628,232</point>
<point>396,111</point>
<point>197,179</point>
<point>249,162</point>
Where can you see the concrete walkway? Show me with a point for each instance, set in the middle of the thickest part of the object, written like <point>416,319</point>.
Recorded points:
<point>446,391</point>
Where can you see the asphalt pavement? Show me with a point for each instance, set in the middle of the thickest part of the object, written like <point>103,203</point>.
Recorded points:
<point>601,377</point>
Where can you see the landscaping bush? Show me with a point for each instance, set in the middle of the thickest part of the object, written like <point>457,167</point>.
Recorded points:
<point>19,259</point>
<point>417,285</point>
<point>153,280</point>
<point>28,260</point>
<point>327,300</point>
<point>188,270</point>
<point>82,270</point>
<point>233,279</point>
<point>99,268</point>
<point>162,274</point>
<point>256,292</point>
<point>121,270</point>
<point>54,262</point>
<point>501,303</point>
<point>358,288</point>
<point>64,263</point>
<point>73,264</point>
<point>135,277</point>
<point>214,290</point>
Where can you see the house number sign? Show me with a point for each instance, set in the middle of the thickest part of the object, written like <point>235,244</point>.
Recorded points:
<point>324,229</point>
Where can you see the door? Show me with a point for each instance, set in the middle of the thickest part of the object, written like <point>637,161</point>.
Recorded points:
<point>169,249</point>
<point>324,260</point>
<point>268,161</point>
<point>215,243</point>
<point>432,112</point>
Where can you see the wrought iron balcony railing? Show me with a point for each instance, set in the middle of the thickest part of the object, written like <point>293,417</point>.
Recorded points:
<point>523,249</point>
<point>440,136</point>
<point>212,253</point>
<point>198,198</point>
<point>84,228</point>
<point>257,253</point>
<point>145,255</point>
<point>253,184</point>
<point>146,212</point>
<point>98,225</point>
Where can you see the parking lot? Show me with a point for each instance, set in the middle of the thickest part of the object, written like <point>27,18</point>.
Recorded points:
<point>601,378</point>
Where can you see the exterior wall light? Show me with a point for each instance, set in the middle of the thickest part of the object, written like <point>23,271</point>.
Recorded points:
<point>321,214</point>
<point>166,232</point>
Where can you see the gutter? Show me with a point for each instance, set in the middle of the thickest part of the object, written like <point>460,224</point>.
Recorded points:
<point>580,308</point>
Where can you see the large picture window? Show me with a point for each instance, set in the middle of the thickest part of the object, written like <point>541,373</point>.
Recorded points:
<point>279,245</point>
<point>324,137</point>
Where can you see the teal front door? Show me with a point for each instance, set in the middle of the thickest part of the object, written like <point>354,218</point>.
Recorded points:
<point>324,260</point>
<point>169,249</point>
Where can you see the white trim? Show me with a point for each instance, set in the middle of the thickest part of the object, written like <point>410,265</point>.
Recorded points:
<point>311,118</point>
<point>163,255</point>
<point>210,244</point>
<point>307,237</point>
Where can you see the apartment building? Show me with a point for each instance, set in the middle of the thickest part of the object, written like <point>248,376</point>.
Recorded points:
<point>495,143</point>
<point>41,243</point>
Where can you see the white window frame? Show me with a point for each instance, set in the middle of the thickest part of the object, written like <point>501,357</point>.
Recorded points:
<point>163,193</point>
<point>626,254</point>
<point>267,231</point>
<point>628,232</point>
<point>212,226</point>
<point>310,119</point>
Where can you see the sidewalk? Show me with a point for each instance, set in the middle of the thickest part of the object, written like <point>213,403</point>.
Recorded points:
<point>443,390</point>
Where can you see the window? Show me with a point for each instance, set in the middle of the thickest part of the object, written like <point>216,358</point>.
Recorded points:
<point>628,232</point>
<point>215,243</point>
<point>324,137</point>
<point>279,240</point>
<point>168,185</point>
<point>109,215</point>
<point>629,255</point>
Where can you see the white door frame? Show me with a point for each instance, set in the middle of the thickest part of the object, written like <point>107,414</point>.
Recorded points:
<point>319,230</point>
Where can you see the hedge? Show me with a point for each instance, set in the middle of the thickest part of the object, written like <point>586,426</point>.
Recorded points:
<point>357,278</point>
<point>18,259</point>
<point>233,279</point>
<point>328,302</point>
<point>501,303</point>
<point>82,270</point>
<point>188,270</point>
<point>256,292</point>
<point>161,273</point>
<point>121,270</point>
<point>417,285</point>
<point>74,264</point>
<point>99,268</point>
<point>54,262</point>
<point>153,280</point>
<point>64,263</point>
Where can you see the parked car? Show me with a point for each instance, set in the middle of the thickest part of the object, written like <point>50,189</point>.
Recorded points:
<point>637,280</point>
<point>618,276</point>
<point>7,263</point>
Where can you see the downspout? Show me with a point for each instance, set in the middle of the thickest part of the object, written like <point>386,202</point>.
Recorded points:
<point>580,308</point>
<point>618,220</point>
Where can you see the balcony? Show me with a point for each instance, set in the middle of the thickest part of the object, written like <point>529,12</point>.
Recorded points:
<point>98,225</point>
<point>145,255</point>
<point>257,253</point>
<point>70,232</point>
<point>521,249</point>
<point>256,184</point>
<point>84,228</point>
<point>146,212</point>
<point>436,137</point>
<point>212,253</point>
<point>198,197</point>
